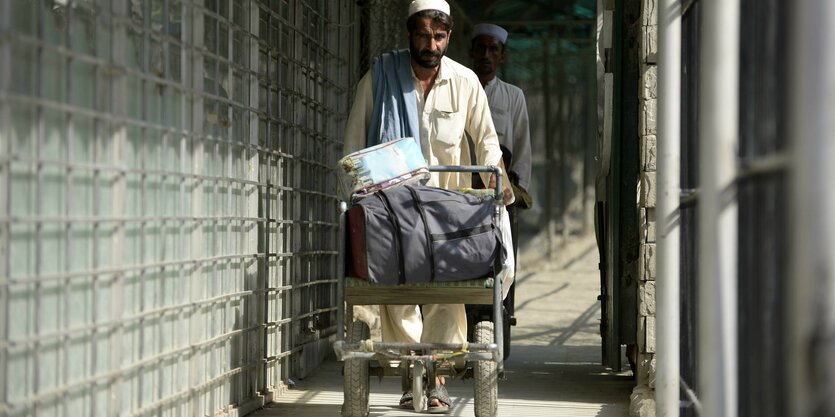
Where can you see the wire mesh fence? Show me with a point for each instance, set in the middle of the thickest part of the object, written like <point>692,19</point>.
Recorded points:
<point>168,210</point>
<point>384,28</point>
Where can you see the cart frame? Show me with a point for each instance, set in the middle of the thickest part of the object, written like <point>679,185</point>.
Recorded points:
<point>414,366</point>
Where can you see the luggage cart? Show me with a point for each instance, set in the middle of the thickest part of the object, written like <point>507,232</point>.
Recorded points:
<point>419,363</point>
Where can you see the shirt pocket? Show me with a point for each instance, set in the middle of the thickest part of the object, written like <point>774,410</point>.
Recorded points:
<point>446,119</point>
<point>449,134</point>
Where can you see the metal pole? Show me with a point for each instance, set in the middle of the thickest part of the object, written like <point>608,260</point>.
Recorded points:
<point>5,206</point>
<point>498,327</point>
<point>589,148</point>
<point>563,117</point>
<point>549,150</point>
<point>717,210</point>
<point>811,315</point>
<point>669,158</point>
<point>340,274</point>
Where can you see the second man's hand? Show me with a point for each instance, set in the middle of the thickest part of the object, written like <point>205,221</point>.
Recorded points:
<point>507,192</point>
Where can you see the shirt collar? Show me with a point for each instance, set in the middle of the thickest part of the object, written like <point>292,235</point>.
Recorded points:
<point>444,73</point>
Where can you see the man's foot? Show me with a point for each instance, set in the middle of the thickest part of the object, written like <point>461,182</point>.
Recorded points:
<point>406,400</point>
<point>438,402</point>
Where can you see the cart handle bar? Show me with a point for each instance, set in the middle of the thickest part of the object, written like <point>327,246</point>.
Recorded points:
<point>473,168</point>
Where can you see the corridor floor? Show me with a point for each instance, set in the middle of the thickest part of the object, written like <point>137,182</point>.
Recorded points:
<point>553,370</point>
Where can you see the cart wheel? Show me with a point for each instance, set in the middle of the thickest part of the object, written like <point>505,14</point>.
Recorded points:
<point>356,382</point>
<point>486,376</point>
<point>417,386</point>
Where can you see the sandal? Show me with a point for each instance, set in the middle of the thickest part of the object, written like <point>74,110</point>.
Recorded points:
<point>439,394</point>
<point>406,400</point>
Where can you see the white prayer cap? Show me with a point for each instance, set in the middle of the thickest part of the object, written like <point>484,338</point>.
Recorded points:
<point>490,29</point>
<point>421,5</point>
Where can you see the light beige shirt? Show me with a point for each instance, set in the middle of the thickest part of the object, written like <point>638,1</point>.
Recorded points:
<point>456,104</point>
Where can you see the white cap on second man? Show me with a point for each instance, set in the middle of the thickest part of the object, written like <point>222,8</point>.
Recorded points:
<point>421,5</point>
<point>490,29</point>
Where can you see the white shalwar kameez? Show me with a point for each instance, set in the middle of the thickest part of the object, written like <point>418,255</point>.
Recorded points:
<point>456,104</point>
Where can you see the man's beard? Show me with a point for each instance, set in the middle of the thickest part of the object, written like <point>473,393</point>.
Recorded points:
<point>427,59</point>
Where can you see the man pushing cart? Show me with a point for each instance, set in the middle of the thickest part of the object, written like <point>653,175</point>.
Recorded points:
<point>432,237</point>
<point>420,93</point>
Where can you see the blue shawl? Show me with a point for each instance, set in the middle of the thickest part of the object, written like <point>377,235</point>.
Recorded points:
<point>395,112</point>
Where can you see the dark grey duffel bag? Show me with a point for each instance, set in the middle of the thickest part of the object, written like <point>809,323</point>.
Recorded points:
<point>416,233</point>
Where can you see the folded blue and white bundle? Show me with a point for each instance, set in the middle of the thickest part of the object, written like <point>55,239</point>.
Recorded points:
<point>382,166</point>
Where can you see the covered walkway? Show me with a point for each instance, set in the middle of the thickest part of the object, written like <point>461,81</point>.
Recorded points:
<point>553,370</point>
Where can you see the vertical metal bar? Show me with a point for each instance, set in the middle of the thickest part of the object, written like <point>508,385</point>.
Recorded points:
<point>96,228</point>
<point>549,148</point>
<point>220,137</point>
<point>118,99</point>
<point>340,273</point>
<point>718,208</point>
<point>232,144</point>
<point>161,201</point>
<point>282,209</point>
<point>195,78</point>
<point>145,201</point>
<point>340,233</point>
<point>39,134</point>
<point>590,147</point>
<point>667,276</point>
<point>162,198</point>
<point>261,296</point>
<point>613,159</point>
<point>294,206</point>
<point>183,128</point>
<point>563,118</point>
<point>811,312</point>
<point>67,226</point>
<point>220,205</point>
<point>96,231</point>
<point>5,200</point>
<point>498,327</point>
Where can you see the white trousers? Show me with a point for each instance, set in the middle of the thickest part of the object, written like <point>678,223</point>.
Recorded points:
<point>441,323</point>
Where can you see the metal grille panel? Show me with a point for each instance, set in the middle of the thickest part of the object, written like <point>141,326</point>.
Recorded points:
<point>384,28</point>
<point>168,215</point>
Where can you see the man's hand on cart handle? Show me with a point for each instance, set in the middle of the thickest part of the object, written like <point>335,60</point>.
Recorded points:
<point>507,191</point>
